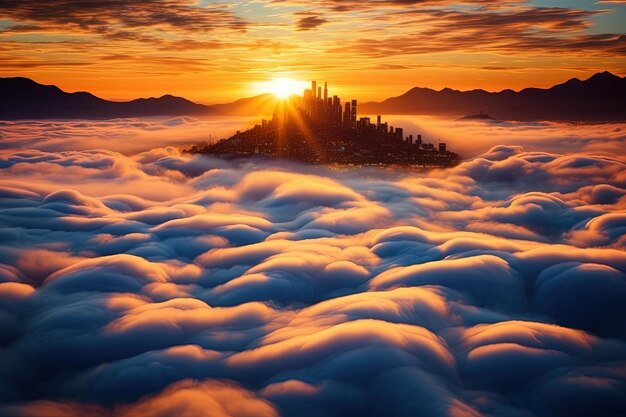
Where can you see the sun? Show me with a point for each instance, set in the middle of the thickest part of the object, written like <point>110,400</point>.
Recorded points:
<point>282,87</point>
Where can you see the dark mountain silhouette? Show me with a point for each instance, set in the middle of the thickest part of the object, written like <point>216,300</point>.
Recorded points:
<point>23,98</point>
<point>478,116</point>
<point>599,98</point>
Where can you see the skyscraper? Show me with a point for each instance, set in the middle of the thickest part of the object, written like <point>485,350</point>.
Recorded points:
<point>314,88</point>
<point>347,114</point>
<point>325,92</point>
<point>353,113</point>
<point>337,108</point>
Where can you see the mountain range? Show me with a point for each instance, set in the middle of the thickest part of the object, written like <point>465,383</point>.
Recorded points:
<point>602,97</point>
<point>599,98</point>
<point>23,98</point>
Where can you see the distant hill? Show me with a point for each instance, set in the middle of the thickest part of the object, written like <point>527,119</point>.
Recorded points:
<point>23,98</point>
<point>599,98</point>
<point>261,105</point>
<point>478,116</point>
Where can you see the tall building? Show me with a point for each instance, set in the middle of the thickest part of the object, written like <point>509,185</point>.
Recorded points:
<point>336,109</point>
<point>328,112</point>
<point>279,119</point>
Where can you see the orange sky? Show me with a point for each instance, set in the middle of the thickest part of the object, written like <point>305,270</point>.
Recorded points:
<point>215,51</point>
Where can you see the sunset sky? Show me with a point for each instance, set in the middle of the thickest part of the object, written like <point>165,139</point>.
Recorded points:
<point>217,51</point>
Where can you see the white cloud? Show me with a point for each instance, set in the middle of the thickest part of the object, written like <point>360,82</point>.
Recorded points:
<point>140,284</point>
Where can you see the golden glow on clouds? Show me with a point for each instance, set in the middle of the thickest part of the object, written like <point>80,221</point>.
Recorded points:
<point>181,285</point>
<point>213,52</point>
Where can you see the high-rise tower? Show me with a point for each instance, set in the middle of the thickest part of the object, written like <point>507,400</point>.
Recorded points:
<point>337,109</point>
<point>314,88</point>
<point>325,91</point>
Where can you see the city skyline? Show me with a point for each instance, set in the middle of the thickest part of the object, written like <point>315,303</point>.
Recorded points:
<point>217,51</point>
<point>315,108</point>
<point>315,128</point>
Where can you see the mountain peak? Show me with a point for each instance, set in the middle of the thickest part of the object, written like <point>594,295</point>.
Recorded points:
<point>23,98</point>
<point>601,97</point>
<point>22,80</point>
<point>604,76</point>
<point>171,97</point>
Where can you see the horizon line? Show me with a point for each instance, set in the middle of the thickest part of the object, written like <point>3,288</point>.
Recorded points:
<point>117,100</point>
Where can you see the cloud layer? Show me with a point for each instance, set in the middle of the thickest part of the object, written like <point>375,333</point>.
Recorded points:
<point>163,284</point>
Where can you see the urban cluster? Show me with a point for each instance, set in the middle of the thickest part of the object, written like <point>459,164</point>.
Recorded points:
<point>317,128</point>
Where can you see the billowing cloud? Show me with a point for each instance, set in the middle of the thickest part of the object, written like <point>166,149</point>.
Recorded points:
<point>310,21</point>
<point>149,282</point>
<point>118,18</point>
<point>187,398</point>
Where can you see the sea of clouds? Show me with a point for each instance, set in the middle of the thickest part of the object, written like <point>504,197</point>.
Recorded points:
<point>136,280</point>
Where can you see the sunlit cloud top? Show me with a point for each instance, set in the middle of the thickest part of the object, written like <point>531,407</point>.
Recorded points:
<point>213,51</point>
